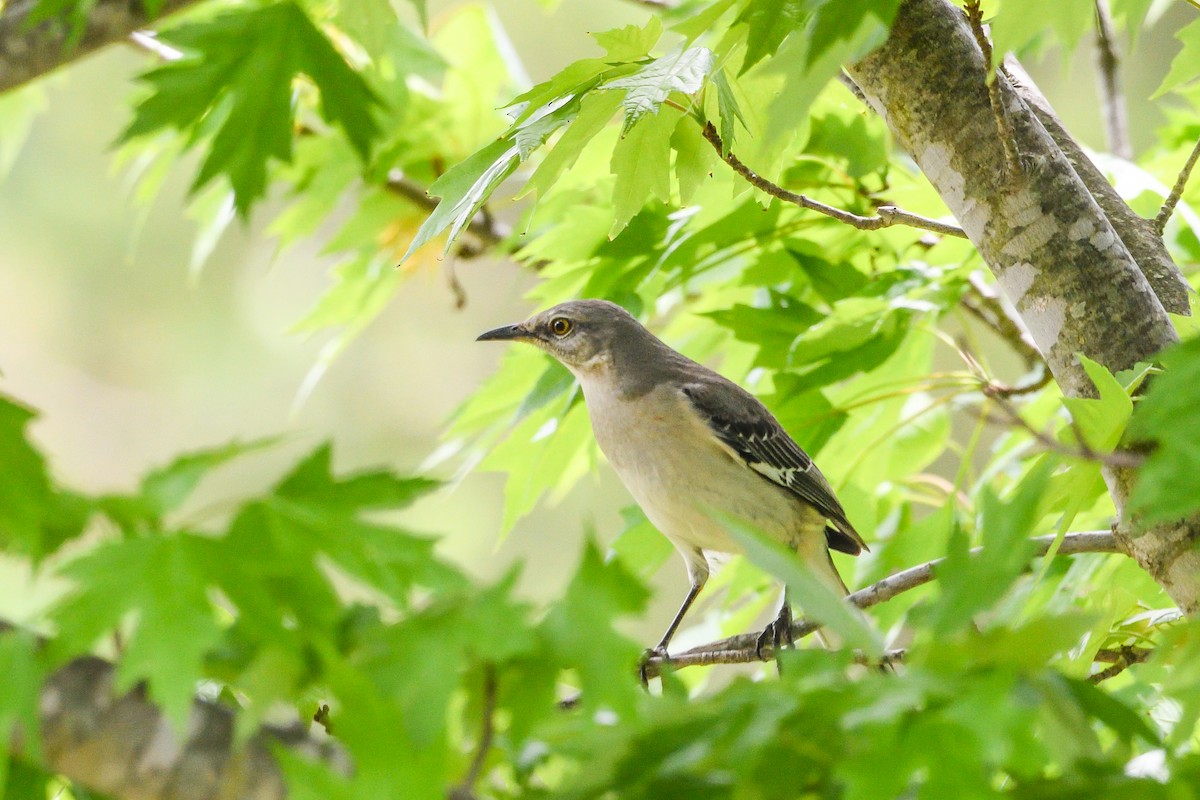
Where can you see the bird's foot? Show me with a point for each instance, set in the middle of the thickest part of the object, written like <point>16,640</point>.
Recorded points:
<point>659,652</point>
<point>778,634</point>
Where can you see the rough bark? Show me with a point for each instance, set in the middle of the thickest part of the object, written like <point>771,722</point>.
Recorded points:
<point>1138,233</point>
<point>1055,252</point>
<point>29,50</point>
<point>124,747</point>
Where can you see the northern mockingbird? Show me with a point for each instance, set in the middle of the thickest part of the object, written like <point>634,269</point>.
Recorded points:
<point>691,447</point>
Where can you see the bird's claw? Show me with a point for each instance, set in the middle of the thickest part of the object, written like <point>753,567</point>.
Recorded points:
<point>778,633</point>
<point>659,652</point>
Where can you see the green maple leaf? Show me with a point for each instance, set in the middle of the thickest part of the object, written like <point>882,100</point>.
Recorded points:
<point>647,89</point>
<point>35,516</point>
<point>769,23</point>
<point>1168,481</point>
<point>236,82</point>
<point>161,582</point>
<point>468,185</point>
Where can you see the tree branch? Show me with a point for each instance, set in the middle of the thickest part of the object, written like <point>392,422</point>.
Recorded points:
<point>1140,235</point>
<point>1062,261</point>
<point>1117,458</point>
<point>1003,129</point>
<point>1120,659</point>
<point>1168,207</point>
<point>484,227</point>
<point>29,51</point>
<point>743,649</point>
<point>886,216</point>
<point>124,747</point>
<point>1112,96</point>
<point>984,303</point>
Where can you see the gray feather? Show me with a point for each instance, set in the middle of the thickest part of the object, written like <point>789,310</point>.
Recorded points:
<point>745,425</point>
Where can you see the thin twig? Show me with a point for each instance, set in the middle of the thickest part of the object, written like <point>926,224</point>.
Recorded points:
<point>743,648</point>
<point>886,216</point>
<point>148,41</point>
<point>484,227</point>
<point>1003,390</point>
<point>487,731</point>
<point>1168,207</point>
<point>1003,129</point>
<point>1121,660</point>
<point>1112,96</point>
<point>1121,459</point>
<point>985,304</point>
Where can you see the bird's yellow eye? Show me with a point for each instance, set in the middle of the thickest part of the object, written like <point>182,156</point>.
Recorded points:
<point>560,326</point>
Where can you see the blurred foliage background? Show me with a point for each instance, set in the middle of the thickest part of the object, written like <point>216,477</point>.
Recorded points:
<point>146,312</point>
<point>134,352</point>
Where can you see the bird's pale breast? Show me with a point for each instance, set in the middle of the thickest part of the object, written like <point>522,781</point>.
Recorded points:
<point>679,474</point>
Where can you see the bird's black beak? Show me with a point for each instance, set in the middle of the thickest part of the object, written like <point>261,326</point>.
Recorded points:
<point>503,333</point>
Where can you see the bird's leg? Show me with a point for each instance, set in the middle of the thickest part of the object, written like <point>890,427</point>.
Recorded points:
<point>660,650</point>
<point>778,632</point>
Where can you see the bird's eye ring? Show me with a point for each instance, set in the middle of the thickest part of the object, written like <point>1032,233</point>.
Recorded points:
<point>560,326</point>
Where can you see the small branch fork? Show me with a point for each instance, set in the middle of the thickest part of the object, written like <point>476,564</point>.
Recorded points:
<point>1003,129</point>
<point>886,216</point>
<point>1168,207</point>
<point>1121,659</point>
<point>743,649</point>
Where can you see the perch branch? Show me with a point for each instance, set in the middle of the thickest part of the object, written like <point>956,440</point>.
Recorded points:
<point>742,649</point>
<point>886,216</point>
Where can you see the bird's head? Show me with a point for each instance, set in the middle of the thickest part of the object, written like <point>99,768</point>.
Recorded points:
<point>582,334</point>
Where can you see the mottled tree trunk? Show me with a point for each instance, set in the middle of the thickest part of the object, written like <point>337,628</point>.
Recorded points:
<point>1061,259</point>
<point>29,50</point>
<point>123,746</point>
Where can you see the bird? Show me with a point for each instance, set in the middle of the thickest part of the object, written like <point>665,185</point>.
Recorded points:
<point>693,448</point>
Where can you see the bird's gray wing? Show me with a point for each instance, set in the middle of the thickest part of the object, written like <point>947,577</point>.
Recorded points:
<point>746,427</point>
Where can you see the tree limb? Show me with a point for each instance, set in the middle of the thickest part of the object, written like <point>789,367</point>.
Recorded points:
<point>28,51</point>
<point>743,648</point>
<point>1057,255</point>
<point>124,747</point>
<point>1141,236</point>
<point>886,216</point>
